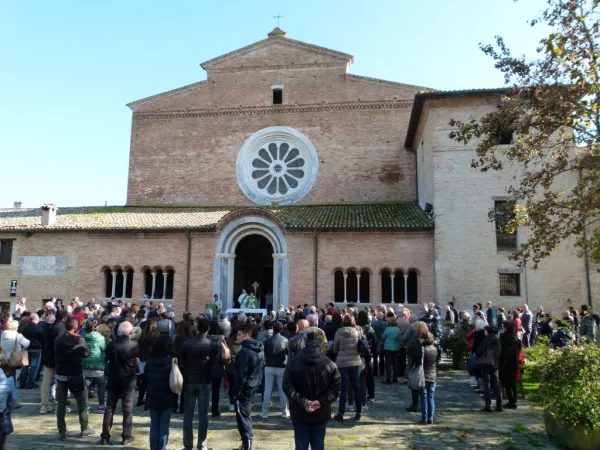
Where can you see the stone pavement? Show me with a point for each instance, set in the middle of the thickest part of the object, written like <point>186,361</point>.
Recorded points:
<point>459,425</point>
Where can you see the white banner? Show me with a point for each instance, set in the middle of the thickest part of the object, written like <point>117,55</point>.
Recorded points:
<point>41,266</point>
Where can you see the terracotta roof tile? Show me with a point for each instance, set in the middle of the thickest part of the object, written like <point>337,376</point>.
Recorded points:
<point>390,216</point>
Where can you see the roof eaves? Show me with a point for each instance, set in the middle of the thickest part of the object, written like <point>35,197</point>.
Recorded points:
<point>421,97</point>
<point>167,93</point>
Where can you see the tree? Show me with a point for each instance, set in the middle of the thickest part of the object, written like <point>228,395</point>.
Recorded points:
<point>551,111</point>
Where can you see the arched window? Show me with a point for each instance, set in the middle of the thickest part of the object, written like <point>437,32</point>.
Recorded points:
<point>148,283</point>
<point>170,281</point>
<point>399,292</point>
<point>129,284</point>
<point>365,286</point>
<point>119,284</point>
<point>352,287</point>
<point>412,287</point>
<point>159,285</point>
<point>386,286</point>
<point>108,282</point>
<point>338,286</point>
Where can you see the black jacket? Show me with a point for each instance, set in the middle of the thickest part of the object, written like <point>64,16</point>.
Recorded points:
<point>415,352</point>
<point>35,334</point>
<point>198,357</point>
<point>491,342</point>
<point>296,343</point>
<point>51,333</point>
<point>249,364</point>
<point>510,346</point>
<point>121,358</point>
<point>157,371</point>
<point>69,351</point>
<point>311,376</point>
<point>276,351</point>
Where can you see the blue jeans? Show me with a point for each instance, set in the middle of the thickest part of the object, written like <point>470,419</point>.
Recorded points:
<point>313,434</point>
<point>159,429</point>
<point>270,374</point>
<point>201,393</point>
<point>352,373</point>
<point>428,401</point>
<point>29,373</point>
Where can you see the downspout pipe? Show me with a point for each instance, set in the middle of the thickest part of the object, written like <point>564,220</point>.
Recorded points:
<point>315,266</point>
<point>586,258</point>
<point>188,235</point>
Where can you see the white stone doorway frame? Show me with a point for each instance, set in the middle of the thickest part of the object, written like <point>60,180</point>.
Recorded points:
<point>224,262</point>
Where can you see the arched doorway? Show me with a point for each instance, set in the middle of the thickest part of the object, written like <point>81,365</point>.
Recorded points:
<point>254,264</point>
<point>225,263</point>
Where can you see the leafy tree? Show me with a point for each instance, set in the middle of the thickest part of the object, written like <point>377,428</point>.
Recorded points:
<point>551,111</point>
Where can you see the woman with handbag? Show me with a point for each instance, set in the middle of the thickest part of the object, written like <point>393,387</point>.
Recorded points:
<point>14,344</point>
<point>425,354</point>
<point>488,361</point>
<point>511,348</point>
<point>414,357</point>
<point>160,399</point>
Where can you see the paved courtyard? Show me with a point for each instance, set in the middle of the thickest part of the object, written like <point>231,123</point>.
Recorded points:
<point>459,425</point>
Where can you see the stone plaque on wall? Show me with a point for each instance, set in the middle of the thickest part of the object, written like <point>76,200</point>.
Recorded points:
<point>41,266</point>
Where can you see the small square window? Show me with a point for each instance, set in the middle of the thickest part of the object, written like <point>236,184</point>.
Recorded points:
<point>277,96</point>
<point>510,284</point>
<point>6,247</point>
<point>505,137</point>
<point>505,240</point>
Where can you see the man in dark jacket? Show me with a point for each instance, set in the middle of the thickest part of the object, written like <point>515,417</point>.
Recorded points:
<point>122,356</point>
<point>311,382</point>
<point>276,351</point>
<point>489,369</point>
<point>249,364</point>
<point>198,358</point>
<point>34,333</point>
<point>54,327</point>
<point>69,351</point>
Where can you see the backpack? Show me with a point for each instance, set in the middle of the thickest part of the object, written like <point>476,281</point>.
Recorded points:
<point>363,346</point>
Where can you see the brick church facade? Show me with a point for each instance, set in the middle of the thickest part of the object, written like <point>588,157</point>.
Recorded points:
<point>284,171</point>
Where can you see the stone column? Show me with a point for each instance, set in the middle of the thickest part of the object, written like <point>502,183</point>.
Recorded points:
<point>164,285</point>
<point>406,288</point>
<point>153,284</point>
<point>357,288</point>
<point>223,266</point>
<point>345,288</point>
<point>114,283</point>
<point>392,276</point>
<point>280,280</point>
<point>124,293</point>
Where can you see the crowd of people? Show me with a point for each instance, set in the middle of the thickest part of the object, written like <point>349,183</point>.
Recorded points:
<point>311,357</point>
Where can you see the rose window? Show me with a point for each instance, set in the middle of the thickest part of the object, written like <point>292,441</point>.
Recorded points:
<point>277,165</point>
<point>278,169</point>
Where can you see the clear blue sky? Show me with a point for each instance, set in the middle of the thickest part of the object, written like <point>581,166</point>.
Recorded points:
<point>68,68</point>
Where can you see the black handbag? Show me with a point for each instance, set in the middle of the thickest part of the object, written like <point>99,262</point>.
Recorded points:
<point>486,359</point>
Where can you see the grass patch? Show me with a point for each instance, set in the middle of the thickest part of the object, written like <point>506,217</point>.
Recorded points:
<point>519,428</point>
<point>535,443</point>
<point>531,386</point>
<point>509,444</point>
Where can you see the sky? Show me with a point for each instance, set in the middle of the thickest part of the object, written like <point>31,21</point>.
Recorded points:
<point>68,69</point>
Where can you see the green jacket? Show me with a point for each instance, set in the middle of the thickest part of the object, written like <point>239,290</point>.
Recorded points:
<point>97,344</point>
<point>391,339</point>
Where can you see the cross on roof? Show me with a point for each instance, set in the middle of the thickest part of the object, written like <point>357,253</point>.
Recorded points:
<point>277,17</point>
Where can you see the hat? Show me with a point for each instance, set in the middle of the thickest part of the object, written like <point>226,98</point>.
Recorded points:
<point>50,305</point>
<point>313,337</point>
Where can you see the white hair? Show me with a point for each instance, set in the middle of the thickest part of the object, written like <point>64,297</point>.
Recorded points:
<point>313,320</point>
<point>34,317</point>
<point>313,309</point>
<point>125,328</point>
<point>12,325</point>
<point>242,318</point>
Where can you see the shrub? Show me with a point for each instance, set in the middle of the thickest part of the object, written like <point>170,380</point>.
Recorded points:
<point>454,342</point>
<point>570,386</point>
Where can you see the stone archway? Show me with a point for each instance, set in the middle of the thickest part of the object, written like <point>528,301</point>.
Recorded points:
<point>224,262</point>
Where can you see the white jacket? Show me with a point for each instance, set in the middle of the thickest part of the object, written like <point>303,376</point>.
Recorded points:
<point>7,342</point>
